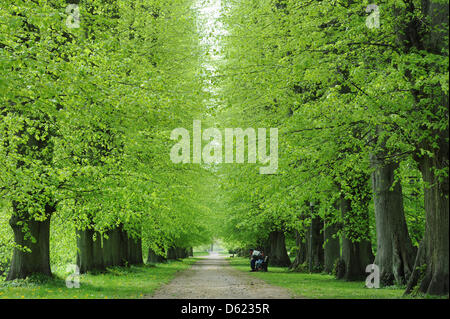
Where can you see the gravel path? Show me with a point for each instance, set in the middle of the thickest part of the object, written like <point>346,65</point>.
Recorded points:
<point>214,278</point>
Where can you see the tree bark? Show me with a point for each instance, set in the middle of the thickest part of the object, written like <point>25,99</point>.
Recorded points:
<point>84,250</point>
<point>90,254</point>
<point>118,250</point>
<point>300,257</point>
<point>108,259</point>
<point>123,247</point>
<point>433,252</point>
<point>356,253</point>
<point>154,258</point>
<point>97,253</point>
<point>434,249</point>
<point>277,250</point>
<point>315,245</point>
<point>28,232</point>
<point>332,247</point>
<point>135,251</point>
<point>24,264</point>
<point>180,252</point>
<point>395,252</point>
<point>171,253</point>
<point>112,248</point>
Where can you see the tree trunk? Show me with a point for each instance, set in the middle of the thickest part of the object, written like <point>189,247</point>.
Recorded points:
<point>300,257</point>
<point>97,253</point>
<point>332,248</point>
<point>395,252</point>
<point>135,251</point>
<point>112,247</point>
<point>356,255</point>
<point>24,264</point>
<point>29,233</point>
<point>433,253</point>
<point>118,250</point>
<point>179,252</point>
<point>89,251</point>
<point>183,253</point>
<point>108,259</point>
<point>154,258</point>
<point>434,249</point>
<point>84,250</point>
<point>123,247</point>
<point>139,260</point>
<point>315,245</point>
<point>277,252</point>
<point>171,253</point>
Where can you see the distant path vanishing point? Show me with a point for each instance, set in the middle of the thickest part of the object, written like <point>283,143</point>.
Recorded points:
<point>214,278</point>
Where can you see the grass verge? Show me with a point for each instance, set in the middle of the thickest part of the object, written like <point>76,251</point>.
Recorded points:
<point>118,282</point>
<point>318,286</point>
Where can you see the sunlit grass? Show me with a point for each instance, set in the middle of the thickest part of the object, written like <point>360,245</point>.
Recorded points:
<point>118,282</point>
<point>318,285</point>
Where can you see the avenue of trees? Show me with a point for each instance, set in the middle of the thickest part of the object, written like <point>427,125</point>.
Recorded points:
<point>85,119</point>
<point>361,105</point>
<point>358,91</point>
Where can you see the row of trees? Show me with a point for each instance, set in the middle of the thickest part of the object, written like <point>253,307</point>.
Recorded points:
<point>362,109</point>
<point>361,106</point>
<point>90,91</point>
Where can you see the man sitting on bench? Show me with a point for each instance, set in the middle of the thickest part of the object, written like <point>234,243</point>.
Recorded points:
<point>262,262</point>
<point>254,256</point>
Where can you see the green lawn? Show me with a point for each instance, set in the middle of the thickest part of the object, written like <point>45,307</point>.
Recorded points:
<point>118,282</point>
<point>317,285</point>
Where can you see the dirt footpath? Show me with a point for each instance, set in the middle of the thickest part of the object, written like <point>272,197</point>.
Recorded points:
<point>214,278</point>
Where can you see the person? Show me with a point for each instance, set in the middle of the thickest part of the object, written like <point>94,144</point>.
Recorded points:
<point>259,264</point>
<point>254,256</point>
<point>262,262</point>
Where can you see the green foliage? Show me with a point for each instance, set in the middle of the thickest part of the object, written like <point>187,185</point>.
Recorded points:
<point>328,82</point>
<point>6,240</point>
<point>86,115</point>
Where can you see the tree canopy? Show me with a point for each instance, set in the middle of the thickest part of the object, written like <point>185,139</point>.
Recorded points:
<point>90,92</point>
